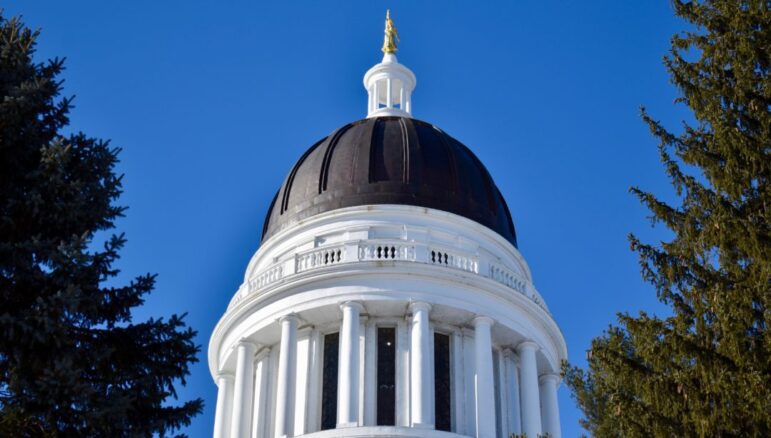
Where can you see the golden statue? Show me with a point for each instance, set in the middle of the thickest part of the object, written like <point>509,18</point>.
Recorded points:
<point>391,35</point>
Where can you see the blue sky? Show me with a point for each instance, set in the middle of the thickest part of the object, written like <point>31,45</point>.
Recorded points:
<point>212,102</point>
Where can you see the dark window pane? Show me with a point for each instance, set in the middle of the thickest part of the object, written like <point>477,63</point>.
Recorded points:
<point>329,382</point>
<point>442,393</point>
<point>386,376</point>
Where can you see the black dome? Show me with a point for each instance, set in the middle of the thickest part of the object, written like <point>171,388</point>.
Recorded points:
<point>389,160</point>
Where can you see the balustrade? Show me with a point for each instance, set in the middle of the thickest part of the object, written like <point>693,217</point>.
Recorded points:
<point>266,277</point>
<point>386,251</point>
<point>383,250</point>
<point>319,257</point>
<point>455,260</point>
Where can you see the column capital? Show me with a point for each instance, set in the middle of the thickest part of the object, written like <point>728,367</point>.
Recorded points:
<point>352,304</point>
<point>292,317</point>
<point>482,320</point>
<point>550,378</point>
<point>225,375</point>
<point>261,353</point>
<point>419,305</point>
<point>466,331</point>
<point>527,345</point>
<point>508,353</point>
<point>245,342</point>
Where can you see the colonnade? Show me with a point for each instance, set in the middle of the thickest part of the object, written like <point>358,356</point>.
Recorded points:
<point>530,399</point>
<point>391,99</point>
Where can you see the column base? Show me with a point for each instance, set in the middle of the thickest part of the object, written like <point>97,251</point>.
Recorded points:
<point>346,425</point>
<point>423,425</point>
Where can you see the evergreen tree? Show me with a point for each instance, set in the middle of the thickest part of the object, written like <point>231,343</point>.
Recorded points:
<point>705,368</point>
<point>72,362</point>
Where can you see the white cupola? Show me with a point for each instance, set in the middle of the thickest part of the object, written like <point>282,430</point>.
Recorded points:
<point>389,84</point>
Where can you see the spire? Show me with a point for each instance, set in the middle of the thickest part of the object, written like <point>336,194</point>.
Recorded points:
<point>389,83</point>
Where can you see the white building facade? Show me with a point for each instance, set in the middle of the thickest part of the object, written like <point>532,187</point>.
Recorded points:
<point>388,297</point>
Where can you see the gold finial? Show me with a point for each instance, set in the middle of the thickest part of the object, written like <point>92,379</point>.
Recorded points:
<point>391,35</point>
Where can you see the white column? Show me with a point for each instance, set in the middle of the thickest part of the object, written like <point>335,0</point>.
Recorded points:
<point>362,360</point>
<point>370,375</point>
<point>224,405</point>
<point>512,390</point>
<point>261,388</point>
<point>376,103</point>
<point>469,381</point>
<point>549,405</point>
<point>528,384</point>
<point>402,374</point>
<point>503,397</point>
<point>420,366</point>
<point>485,390</point>
<point>348,369</point>
<point>389,97</point>
<point>431,403</point>
<point>287,369</point>
<point>303,357</point>
<point>270,407</point>
<point>458,384</point>
<point>314,382</point>
<point>243,390</point>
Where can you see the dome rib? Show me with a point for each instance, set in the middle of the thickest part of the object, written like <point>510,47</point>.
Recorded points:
<point>324,174</point>
<point>405,151</point>
<point>389,160</point>
<point>287,186</point>
<point>453,167</point>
